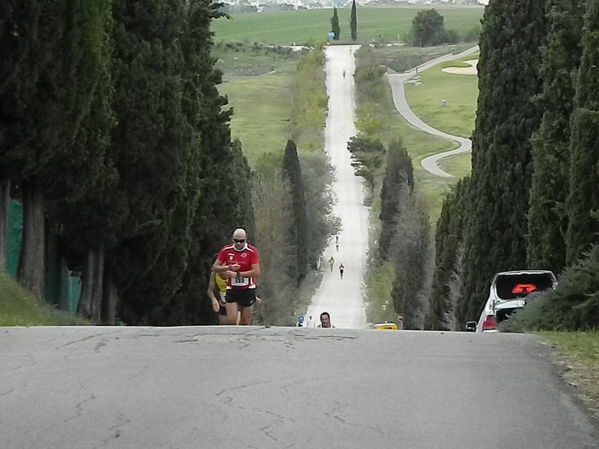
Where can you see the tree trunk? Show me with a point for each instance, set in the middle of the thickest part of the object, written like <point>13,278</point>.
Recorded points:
<point>32,260</point>
<point>90,301</point>
<point>98,290</point>
<point>84,306</point>
<point>109,301</point>
<point>4,200</point>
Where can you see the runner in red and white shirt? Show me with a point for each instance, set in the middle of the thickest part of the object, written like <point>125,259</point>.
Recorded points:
<point>239,263</point>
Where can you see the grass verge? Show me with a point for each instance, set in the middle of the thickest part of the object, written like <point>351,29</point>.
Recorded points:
<point>19,307</point>
<point>580,353</point>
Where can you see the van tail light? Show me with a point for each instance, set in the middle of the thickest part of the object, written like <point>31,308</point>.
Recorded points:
<point>490,323</point>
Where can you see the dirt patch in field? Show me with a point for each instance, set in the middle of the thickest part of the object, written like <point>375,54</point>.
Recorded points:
<point>463,70</point>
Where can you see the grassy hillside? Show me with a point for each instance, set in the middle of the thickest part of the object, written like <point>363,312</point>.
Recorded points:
<point>299,27</point>
<point>19,307</point>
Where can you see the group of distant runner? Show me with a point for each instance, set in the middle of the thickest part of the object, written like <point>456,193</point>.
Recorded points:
<point>331,260</point>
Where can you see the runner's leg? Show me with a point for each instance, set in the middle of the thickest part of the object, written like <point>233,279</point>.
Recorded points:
<point>232,312</point>
<point>246,316</point>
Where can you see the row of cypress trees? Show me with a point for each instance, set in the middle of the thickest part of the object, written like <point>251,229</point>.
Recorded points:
<point>532,198</point>
<point>353,23</point>
<point>114,137</point>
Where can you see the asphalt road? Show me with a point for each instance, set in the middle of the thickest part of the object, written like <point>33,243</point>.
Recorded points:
<point>342,298</point>
<point>250,387</point>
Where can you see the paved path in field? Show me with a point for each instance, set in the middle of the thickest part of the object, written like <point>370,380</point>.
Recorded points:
<point>397,81</point>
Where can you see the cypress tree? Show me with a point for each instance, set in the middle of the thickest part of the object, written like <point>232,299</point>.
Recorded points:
<point>335,28</point>
<point>448,248</point>
<point>53,54</point>
<point>151,141</point>
<point>226,205</point>
<point>513,33</point>
<point>81,206</point>
<point>398,178</point>
<point>583,199</point>
<point>411,256</point>
<point>353,21</point>
<point>292,171</point>
<point>31,36</point>
<point>9,55</point>
<point>405,236</point>
<point>221,170</point>
<point>547,217</point>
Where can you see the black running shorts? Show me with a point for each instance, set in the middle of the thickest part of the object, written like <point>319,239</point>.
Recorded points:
<point>245,297</point>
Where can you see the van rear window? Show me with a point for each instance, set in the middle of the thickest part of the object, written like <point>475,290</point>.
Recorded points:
<point>520,285</point>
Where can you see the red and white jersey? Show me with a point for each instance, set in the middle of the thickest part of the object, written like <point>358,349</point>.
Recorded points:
<point>245,257</point>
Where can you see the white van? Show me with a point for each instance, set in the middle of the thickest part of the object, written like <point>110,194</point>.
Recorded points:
<point>509,291</point>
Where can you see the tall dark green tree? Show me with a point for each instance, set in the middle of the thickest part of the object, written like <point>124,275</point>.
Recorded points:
<point>583,199</point>
<point>547,217</point>
<point>292,171</point>
<point>513,34</point>
<point>353,21</point>
<point>8,54</point>
<point>335,28</point>
<point>398,184</point>
<point>222,172</point>
<point>82,205</point>
<point>405,237</point>
<point>412,258</point>
<point>52,55</point>
<point>151,138</point>
<point>448,256</point>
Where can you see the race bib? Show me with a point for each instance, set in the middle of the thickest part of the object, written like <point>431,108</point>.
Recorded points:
<point>240,281</point>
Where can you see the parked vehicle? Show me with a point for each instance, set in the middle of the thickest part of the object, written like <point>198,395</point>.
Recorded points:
<point>510,291</point>
<point>470,326</point>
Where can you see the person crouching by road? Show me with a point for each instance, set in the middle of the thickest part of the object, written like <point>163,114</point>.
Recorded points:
<point>325,320</point>
<point>239,263</point>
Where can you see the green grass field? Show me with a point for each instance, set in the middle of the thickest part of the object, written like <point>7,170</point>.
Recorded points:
<point>459,92</point>
<point>288,27</point>
<point>262,126</point>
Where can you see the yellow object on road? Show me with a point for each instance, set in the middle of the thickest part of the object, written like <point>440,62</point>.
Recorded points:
<point>386,326</point>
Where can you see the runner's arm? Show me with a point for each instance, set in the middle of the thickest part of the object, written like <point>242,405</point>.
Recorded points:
<point>253,273</point>
<point>225,269</point>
